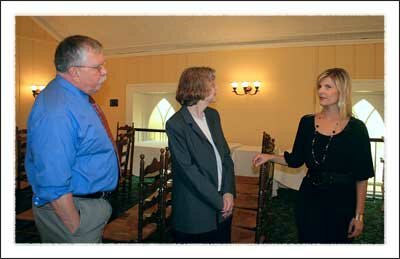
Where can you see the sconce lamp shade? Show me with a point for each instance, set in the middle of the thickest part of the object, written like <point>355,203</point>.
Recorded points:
<point>247,87</point>
<point>256,84</point>
<point>36,89</point>
<point>234,85</point>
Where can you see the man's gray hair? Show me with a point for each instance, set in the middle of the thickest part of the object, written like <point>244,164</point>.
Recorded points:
<point>72,51</point>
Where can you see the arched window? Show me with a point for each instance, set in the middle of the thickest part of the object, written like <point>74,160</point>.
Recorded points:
<point>367,113</point>
<point>159,116</point>
<point>364,111</point>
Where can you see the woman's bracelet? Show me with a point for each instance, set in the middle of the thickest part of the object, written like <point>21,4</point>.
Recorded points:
<point>359,217</point>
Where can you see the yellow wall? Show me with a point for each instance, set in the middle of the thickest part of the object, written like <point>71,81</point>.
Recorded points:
<point>287,75</point>
<point>34,55</point>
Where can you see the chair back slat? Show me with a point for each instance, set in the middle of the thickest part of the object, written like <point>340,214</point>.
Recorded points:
<point>151,201</point>
<point>155,166</point>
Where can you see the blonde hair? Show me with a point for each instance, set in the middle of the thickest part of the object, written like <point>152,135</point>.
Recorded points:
<point>343,83</point>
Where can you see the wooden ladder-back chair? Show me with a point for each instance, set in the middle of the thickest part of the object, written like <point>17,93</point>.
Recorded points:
<point>265,190</point>
<point>150,197</point>
<point>168,178</point>
<point>20,148</point>
<point>166,194</point>
<point>125,145</point>
<point>141,221</point>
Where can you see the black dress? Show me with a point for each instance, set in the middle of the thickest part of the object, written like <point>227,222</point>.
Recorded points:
<point>324,211</point>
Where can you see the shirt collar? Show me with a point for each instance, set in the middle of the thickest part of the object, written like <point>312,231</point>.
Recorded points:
<point>71,87</point>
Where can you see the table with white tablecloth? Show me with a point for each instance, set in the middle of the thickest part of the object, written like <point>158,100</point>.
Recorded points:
<point>242,156</point>
<point>151,149</point>
<point>233,146</point>
<point>284,176</point>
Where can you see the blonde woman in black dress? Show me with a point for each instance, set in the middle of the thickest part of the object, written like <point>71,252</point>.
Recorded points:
<point>336,150</point>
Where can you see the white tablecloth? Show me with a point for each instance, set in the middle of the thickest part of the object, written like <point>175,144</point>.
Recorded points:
<point>233,146</point>
<point>289,177</point>
<point>151,149</point>
<point>242,156</point>
<point>284,176</point>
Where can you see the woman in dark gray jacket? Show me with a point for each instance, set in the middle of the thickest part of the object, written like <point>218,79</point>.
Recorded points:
<point>203,172</point>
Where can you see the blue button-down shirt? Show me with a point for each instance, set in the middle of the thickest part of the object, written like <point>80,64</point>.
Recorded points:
<point>68,149</point>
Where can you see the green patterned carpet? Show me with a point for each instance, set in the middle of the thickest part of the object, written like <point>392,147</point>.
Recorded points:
<point>283,228</point>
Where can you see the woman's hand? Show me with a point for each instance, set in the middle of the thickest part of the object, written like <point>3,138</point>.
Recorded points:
<point>228,205</point>
<point>260,159</point>
<point>355,228</point>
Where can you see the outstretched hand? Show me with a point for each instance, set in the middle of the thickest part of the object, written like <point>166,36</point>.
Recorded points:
<point>260,159</point>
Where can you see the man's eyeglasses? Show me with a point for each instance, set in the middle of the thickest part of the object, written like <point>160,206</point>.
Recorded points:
<point>98,67</point>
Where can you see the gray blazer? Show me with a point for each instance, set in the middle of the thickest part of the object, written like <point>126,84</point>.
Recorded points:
<point>196,203</point>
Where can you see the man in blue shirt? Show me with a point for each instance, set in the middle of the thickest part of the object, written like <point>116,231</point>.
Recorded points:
<point>71,161</point>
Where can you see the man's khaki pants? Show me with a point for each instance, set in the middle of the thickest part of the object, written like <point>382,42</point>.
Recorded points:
<point>94,215</point>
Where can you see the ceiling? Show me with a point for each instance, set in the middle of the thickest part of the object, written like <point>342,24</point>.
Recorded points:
<point>141,35</point>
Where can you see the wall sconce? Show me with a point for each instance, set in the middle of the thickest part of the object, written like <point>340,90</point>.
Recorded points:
<point>247,88</point>
<point>36,89</point>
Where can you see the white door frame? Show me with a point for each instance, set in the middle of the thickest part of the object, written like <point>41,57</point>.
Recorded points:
<point>368,86</point>
<point>131,89</point>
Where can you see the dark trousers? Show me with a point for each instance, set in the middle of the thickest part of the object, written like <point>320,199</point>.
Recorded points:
<point>219,236</point>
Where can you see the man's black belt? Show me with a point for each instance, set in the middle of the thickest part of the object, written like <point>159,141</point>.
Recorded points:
<point>96,195</point>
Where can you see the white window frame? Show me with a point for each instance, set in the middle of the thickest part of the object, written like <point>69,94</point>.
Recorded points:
<point>131,89</point>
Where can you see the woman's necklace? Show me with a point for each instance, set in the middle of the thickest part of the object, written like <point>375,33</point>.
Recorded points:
<point>325,149</point>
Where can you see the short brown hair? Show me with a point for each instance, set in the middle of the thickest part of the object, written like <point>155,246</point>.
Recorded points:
<point>194,85</point>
